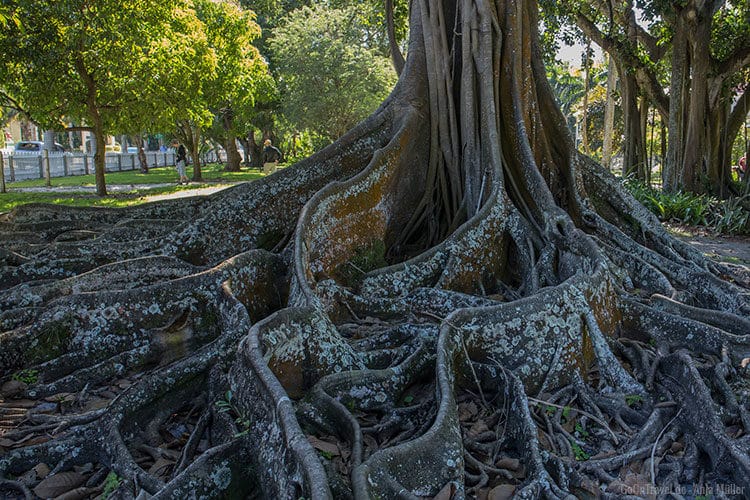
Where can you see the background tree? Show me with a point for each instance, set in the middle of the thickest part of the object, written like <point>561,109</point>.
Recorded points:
<point>329,77</point>
<point>230,92</point>
<point>87,61</point>
<point>660,48</point>
<point>451,297</point>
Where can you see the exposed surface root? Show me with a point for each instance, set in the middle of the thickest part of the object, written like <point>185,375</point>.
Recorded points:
<point>448,302</point>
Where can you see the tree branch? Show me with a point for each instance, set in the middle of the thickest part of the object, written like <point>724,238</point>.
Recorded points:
<point>396,56</point>
<point>646,78</point>
<point>735,62</point>
<point>738,114</point>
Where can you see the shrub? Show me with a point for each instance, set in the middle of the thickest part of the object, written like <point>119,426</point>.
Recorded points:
<point>731,216</point>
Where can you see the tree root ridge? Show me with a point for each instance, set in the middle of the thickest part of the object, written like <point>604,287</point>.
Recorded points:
<point>448,302</point>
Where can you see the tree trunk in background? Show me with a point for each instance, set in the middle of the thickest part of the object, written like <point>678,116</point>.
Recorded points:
<point>230,142</point>
<point>233,156</point>
<point>634,148</point>
<point>645,172</point>
<point>49,140</point>
<point>195,145</point>
<point>447,300</point>
<point>586,79</point>
<point>678,99</point>
<point>256,160</point>
<point>695,160</point>
<point>142,158</point>
<point>609,115</point>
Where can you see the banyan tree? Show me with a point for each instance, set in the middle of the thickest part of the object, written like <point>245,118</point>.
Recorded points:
<point>448,300</point>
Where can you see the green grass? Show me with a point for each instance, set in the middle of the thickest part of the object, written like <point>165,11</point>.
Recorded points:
<point>212,174</point>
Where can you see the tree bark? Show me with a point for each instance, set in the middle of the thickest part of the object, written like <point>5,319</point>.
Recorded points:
<point>609,115</point>
<point>142,158</point>
<point>678,90</point>
<point>634,147</point>
<point>448,300</point>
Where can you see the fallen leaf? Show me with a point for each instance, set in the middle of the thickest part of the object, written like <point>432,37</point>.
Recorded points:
<point>83,469</point>
<point>508,463</point>
<point>19,404</point>
<point>77,494</point>
<point>161,467</point>
<point>501,492</point>
<point>13,388</point>
<point>467,411</point>
<point>42,470</point>
<point>7,443</point>
<point>745,362</point>
<point>60,483</point>
<point>61,397</point>
<point>324,446</point>
<point>446,493</point>
<point>477,428</point>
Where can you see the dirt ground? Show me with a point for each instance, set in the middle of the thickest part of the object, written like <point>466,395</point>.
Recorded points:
<point>728,249</point>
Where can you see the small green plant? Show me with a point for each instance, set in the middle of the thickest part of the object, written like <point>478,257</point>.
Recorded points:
<point>550,410</point>
<point>730,216</point>
<point>111,483</point>
<point>27,376</point>
<point>408,399</point>
<point>633,399</point>
<point>566,413</point>
<point>652,342</point>
<point>580,430</point>
<point>240,419</point>
<point>579,453</point>
<point>326,454</point>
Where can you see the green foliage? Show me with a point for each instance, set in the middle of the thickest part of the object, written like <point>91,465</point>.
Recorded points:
<point>633,399</point>
<point>227,405</point>
<point>329,77</point>
<point>566,412</point>
<point>365,259</point>
<point>579,453</point>
<point>730,216</point>
<point>580,430</point>
<point>111,483</point>
<point>130,62</point>
<point>27,376</point>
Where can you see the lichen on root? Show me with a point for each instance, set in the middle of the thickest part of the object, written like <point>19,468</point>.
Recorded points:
<point>447,301</point>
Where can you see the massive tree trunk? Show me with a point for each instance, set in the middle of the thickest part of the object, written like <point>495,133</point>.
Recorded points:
<point>449,298</point>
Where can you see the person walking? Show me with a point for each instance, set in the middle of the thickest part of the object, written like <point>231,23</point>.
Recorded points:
<point>271,157</point>
<point>180,162</point>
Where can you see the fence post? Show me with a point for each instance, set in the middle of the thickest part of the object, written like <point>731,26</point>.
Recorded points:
<point>2,174</point>
<point>12,169</point>
<point>41,166</point>
<point>119,162</point>
<point>65,165</point>
<point>85,164</point>
<point>132,162</point>
<point>47,175</point>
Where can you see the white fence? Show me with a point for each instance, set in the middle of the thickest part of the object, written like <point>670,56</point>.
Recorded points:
<point>19,167</point>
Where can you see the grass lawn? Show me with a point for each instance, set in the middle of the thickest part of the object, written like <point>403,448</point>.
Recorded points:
<point>212,175</point>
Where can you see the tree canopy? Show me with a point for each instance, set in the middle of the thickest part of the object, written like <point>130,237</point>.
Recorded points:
<point>330,74</point>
